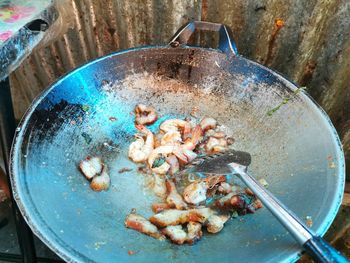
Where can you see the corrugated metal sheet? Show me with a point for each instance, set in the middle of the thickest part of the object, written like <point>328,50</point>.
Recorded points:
<point>307,40</point>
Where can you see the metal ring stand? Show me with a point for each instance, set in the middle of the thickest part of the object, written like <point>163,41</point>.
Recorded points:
<point>24,233</point>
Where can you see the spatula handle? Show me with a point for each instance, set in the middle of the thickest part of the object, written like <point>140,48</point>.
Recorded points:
<point>315,246</point>
<point>321,251</point>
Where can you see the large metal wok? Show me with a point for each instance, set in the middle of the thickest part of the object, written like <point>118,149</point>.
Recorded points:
<point>87,112</point>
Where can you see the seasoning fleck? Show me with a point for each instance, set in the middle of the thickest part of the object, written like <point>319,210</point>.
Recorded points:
<point>85,107</point>
<point>332,165</point>
<point>263,182</point>
<point>309,222</point>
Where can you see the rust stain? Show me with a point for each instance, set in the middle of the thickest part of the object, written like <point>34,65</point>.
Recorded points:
<point>279,23</point>
<point>308,72</point>
<point>204,13</point>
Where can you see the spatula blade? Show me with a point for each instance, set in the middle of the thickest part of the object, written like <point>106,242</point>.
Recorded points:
<point>218,163</point>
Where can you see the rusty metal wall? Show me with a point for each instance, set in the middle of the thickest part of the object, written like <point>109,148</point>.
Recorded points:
<point>306,40</point>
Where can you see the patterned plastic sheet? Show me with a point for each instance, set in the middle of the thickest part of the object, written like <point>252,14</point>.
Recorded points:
<point>22,26</point>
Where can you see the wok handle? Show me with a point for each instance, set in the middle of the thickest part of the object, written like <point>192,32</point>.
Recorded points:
<point>315,246</point>
<point>226,43</point>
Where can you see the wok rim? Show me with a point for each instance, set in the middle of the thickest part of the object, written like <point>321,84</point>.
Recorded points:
<point>66,253</point>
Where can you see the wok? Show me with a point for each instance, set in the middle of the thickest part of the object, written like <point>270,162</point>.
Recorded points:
<point>87,112</point>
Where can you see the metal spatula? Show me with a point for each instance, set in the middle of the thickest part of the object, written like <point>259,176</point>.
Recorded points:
<point>236,162</point>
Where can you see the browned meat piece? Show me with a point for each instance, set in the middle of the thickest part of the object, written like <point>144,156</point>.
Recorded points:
<point>141,224</point>
<point>172,217</point>
<point>219,135</point>
<point>216,222</point>
<point>257,204</point>
<point>176,234</point>
<point>208,123</point>
<point>102,181</point>
<point>200,214</point>
<point>241,202</point>
<point>225,188</point>
<point>91,166</point>
<point>174,198</point>
<point>145,114</point>
<point>159,207</point>
<point>225,202</point>
<point>174,164</point>
<point>194,232</point>
<point>216,145</point>
<point>249,192</point>
<point>196,192</point>
<point>159,187</point>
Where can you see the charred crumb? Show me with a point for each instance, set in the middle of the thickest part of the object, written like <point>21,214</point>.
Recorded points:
<point>124,170</point>
<point>142,169</point>
<point>230,140</point>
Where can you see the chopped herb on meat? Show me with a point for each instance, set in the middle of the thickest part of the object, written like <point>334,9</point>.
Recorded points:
<point>158,162</point>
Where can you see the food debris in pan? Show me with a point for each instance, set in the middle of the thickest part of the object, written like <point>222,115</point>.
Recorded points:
<point>285,101</point>
<point>309,221</point>
<point>124,170</point>
<point>202,202</point>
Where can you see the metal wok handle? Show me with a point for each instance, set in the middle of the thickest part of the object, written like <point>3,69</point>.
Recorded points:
<point>314,245</point>
<point>226,43</point>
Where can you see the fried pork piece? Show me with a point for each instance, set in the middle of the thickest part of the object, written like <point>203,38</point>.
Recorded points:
<point>216,145</point>
<point>91,166</point>
<point>194,232</point>
<point>257,204</point>
<point>196,192</point>
<point>241,202</point>
<point>216,223</point>
<point>225,202</point>
<point>159,207</point>
<point>174,164</point>
<point>200,214</point>
<point>176,234</point>
<point>141,224</point>
<point>170,217</point>
<point>208,124</point>
<point>225,188</point>
<point>102,181</point>
<point>159,187</point>
<point>145,114</point>
<point>173,217</point>
<point>174,198</point>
